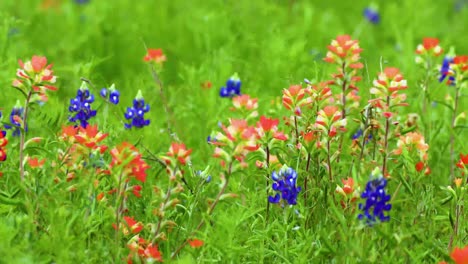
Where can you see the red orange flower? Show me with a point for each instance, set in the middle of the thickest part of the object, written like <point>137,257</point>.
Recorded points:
<point>268,127</point>
<point>35,162</point>
<point>460,255</point>
<point>155,55</point>
<point>463,161</point>
<point>127,156</point>
<point>134,226</point>
<point>329,120</point>
<point>429,46</point>
<point>206,85</point>
<point>36,75</point>
<point>344,50</point>
<point>180,152</point>
<point>237,140</point>
<point>348,191</point>
<point>3,143</point>
<point>294,98</point>
<point>195,243</point>
<point>90,136</point>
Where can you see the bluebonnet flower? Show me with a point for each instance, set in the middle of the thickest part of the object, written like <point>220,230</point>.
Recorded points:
<point>136,113</point>
<point>80,106</point>
<point>204,174</point>
<point>460,4</point>
<point>111,94</point>
<point>376,201</point>
<point>13,32</point>
<point>359,134</point>
<point>211,139</point>
<point>82,2</point>
<point>232,87</point>
<point>16,119</point>
<point>445,70</point>
<point>285,183</point>
<point>372,15</point>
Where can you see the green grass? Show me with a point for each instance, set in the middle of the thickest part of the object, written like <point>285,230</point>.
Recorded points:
<point>271,45</point>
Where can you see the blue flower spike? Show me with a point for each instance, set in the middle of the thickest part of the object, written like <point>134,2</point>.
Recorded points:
<point>232,88</point>
<point>445,70</point>
<point>136,113</point>
<point>284,183</point>
<point>80,106</point>
<point>111,94</point>
<point>372,15</point>
<point>16,119</point>
<point>376,200</point>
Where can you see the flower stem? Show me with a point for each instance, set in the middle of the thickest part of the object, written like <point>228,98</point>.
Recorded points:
<point>343,88</point>
<point>458,212</point>
<point>330,173</point>
<point>387,128</point>
<point>384,164</point>
<point>452,137</point>
<point>297,130</point>
<point>23,135</point>
<point>210,211</point>
<point>160,218</point>
<point>118,204</point>
<point>167,109</point>
<point>267,149</point>
<point>306,178</point>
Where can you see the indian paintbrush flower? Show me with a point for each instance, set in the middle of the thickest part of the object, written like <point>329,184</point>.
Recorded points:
<point>284,182</point>
<point>348,191</point>
<point>430,46</point>
<point>3,143</point>
<point>386,90</point>
<point>329,121</point>
<point>90,136</point>
<point>155,55</point>
<point>136,113</point>
<point>344,50</point>
<point>80,106</point>
<point>296,97</point>
<point>345,54</point>
<point>414,141</point>
<point>267,129</point>
<point>463,162</point>
<point>128,159</point>
<point>177,156</point>
<point>460,255</point>
<point>246,105</point>
<point>238,137</point>
<point>35,76</point>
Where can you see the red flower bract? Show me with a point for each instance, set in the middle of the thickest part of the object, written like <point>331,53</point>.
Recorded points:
<point>127,156</point>
<point>155,55</point>
<point>460,255</point>
<point>134,226</point>
<point>463,161</point>
<point>90,136</point>
<point>195,243</point>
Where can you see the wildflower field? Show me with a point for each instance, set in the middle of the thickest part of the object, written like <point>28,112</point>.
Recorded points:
<point>233,131</point>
